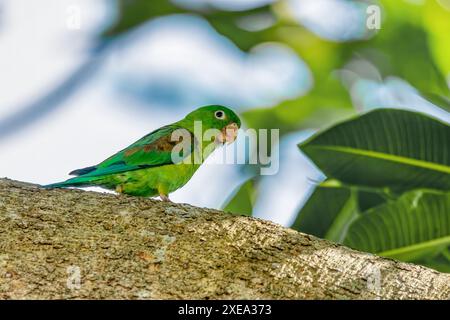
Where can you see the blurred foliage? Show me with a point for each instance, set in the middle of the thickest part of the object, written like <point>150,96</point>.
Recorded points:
<point>242,200</point>
<point>403,48</point>
<point>382,161</point>
<point>133,13</point>
<point>412,45</point>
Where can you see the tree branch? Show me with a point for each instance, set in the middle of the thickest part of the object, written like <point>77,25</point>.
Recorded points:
<point>77,244</point>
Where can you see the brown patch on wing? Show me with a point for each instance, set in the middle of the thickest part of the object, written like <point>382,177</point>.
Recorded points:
<point>132,151</point>
<point>162,144</point>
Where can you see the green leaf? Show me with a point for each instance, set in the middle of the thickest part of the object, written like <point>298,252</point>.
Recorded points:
<point>242,200</point>
<point>327,213</point>
<point>385,148</point>
<point>413,227</point>
<point>368,199</point>
<point>440,262</point>
<point>438,100</point>
<point>333,206</point>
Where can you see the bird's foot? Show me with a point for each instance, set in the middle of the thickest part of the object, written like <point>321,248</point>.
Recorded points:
<point>119,189</point>
<point>165,198</point>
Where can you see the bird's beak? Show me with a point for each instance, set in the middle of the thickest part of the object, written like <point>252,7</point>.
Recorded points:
<point>228,133</point>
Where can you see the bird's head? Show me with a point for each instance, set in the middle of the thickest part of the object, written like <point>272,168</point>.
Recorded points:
<point>216,117</point>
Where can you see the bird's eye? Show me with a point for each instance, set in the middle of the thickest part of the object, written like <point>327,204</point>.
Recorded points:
<point>219,114</point>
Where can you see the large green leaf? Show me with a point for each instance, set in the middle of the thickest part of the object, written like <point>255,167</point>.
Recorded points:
<point>385,148</point>
<point>327,213</point>
<point>413,227</point>
<point>332,207</point>
<point>369,199</point>
<point>440,262</point>
<point>242,200</point>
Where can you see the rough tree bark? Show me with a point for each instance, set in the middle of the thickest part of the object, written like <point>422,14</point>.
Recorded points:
<point>77,244</point>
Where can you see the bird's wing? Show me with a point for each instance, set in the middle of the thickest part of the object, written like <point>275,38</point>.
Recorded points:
<point>152,150</point>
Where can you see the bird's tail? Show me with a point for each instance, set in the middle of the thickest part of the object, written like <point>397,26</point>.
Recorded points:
<point>73,182</point>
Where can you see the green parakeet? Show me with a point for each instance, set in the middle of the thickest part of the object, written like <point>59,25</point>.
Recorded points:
<point>163,160</point>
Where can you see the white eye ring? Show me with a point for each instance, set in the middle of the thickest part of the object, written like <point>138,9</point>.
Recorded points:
<point>219,114</point>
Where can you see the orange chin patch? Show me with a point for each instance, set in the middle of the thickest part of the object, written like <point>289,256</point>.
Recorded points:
<point>228,133</point>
